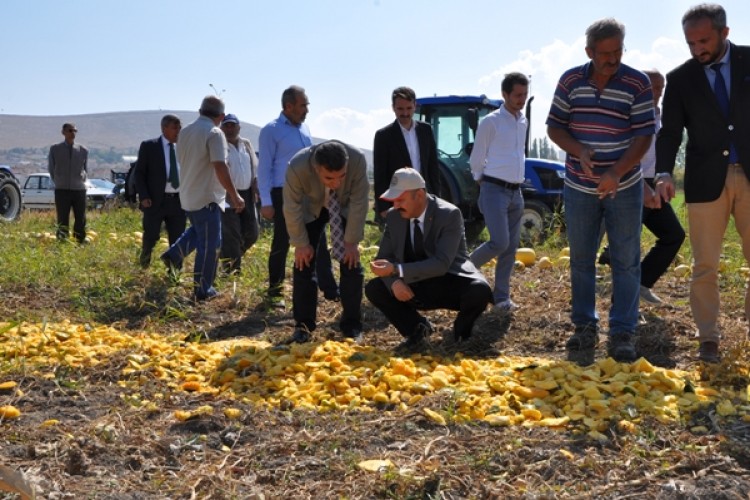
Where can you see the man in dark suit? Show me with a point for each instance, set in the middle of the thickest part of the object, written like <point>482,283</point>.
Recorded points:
<point>404,143</point>
<point>157,181</point>
<point>423,264</point>
<point>709,95</point>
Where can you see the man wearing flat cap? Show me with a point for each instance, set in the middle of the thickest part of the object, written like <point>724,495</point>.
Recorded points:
<point>239,230</point>
<point>423,264</point>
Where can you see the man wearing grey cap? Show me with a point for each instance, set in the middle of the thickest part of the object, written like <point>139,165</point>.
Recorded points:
<point>423,264</point>
<point>239,230</point>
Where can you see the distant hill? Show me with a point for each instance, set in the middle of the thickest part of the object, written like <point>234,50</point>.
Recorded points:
<point>25,140</point>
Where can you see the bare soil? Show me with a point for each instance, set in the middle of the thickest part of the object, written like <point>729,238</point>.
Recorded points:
<point>107,449</point>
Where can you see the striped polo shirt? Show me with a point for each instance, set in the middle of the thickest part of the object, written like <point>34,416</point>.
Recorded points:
<point>606,121</point>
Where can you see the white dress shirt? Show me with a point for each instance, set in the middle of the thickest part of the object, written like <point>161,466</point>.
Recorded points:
<point>499,147</point>
<point>412,144</point>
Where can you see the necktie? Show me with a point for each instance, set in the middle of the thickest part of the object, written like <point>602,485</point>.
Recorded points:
<point>337,225</point>
<point>174,177</point>
<point>720,90</point>
<point>418,241</point>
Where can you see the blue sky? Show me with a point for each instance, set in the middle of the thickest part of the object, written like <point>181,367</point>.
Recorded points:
<point>92,56</point>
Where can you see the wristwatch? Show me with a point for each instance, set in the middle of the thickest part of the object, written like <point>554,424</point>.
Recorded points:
<point>661,175</point>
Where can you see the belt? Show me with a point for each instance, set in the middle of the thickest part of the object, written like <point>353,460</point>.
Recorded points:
<point>500,182</point>
<point>171,195</point>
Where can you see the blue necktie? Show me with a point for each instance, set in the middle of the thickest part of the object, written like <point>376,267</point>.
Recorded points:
<point>720,90</point>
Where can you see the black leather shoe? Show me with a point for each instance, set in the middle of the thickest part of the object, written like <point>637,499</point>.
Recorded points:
<point>300,336</point>
<point>417,342</point>
<point>332,295</point>
<point>355,335</point>
<point>708,352</point>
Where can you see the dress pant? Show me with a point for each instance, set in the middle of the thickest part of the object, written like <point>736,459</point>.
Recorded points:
<point>239,232</point>
<point>708,223</point>
<point>502,209</point>
<point>665,225</point>
<point>466,295</point>
<point>280,250</point>
<point>65,200</point>
<point>305,285</point>
<point>203,236</point>
<point>170,212</point>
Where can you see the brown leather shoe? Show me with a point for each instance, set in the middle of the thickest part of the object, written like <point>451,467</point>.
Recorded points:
<point>708,352</point>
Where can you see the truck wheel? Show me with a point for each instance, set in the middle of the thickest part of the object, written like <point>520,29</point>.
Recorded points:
<point>535,222</point>
<point>10,198</point>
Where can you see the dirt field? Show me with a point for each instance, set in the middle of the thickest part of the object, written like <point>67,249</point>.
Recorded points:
<point>105,446</point>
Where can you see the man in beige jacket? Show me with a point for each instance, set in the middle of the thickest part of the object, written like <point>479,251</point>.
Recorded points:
<point>326,184</point>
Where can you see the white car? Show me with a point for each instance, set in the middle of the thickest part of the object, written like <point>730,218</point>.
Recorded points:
<point>38,192</point>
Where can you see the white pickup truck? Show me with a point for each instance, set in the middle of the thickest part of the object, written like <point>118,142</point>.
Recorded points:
<point>38,192</point>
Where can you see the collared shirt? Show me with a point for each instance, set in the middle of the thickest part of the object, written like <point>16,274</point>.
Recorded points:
<point>165,147</point>
<point>421,218</point>
<point>240,166</point>
<point>606,121</point>
<point>412,145</point>
<point>201,144</point>
<point>648,162</point>
<point>725,70</point>
<point>279,141</point>
<point>499,148</point>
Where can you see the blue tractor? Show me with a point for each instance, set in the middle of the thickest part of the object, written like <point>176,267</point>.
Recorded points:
<point>454,120</point>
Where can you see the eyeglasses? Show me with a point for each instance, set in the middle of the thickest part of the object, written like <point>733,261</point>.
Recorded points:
<point>74,130</point>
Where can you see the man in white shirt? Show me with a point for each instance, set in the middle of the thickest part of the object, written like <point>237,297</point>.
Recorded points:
<point>239,230</point>
<point>497,164</point>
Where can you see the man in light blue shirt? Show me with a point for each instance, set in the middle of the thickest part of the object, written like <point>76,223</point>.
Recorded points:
<point>279,141</point>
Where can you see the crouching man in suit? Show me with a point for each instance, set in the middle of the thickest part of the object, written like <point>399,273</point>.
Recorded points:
<point>423,264</point>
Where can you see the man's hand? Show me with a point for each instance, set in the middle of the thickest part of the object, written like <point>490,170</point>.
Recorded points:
<point>608,184</point>
<point>267,212</point>
<point>650,198</point>
<point>665,187</point>
<point>303,256</point>
<point>402,291</point>
<point>238,204</point>
<point>351,255</point>
<point>146,203</point>
<point>382,268</point>
<point>584,159</point>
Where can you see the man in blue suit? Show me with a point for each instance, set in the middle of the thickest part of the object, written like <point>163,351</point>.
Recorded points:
<point>709,95</point>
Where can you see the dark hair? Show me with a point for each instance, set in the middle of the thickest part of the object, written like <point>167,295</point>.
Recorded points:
<point>212,106</point>
<point>403,93</point>
<point>170,120</point>
<point>67,126</point>
<point>289,96</point>
<point>602,29</point>
<point>512,79</point>
<point>712,11</point>
<point>330,155</point>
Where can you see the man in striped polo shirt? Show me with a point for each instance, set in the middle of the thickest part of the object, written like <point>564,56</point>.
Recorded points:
<point>602,116</point>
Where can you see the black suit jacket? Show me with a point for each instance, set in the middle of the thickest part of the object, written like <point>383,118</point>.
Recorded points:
<point>390,153</point>
<point>151,172</point>
<point>690,103</point>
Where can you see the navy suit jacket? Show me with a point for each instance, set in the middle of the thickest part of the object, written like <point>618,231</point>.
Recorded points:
<point>390,153</point>
<point>444,244</point>
<point>151,172</point>
<point>689,103</point>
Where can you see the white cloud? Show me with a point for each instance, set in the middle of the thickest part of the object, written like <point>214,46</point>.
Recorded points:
<point>544,66</point>
<point>350,125</point>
